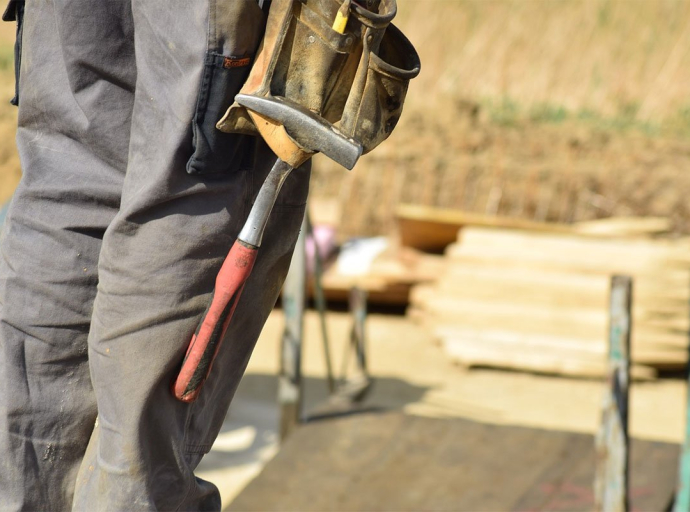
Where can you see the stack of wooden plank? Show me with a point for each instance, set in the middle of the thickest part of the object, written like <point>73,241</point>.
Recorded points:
<point>538,300</point>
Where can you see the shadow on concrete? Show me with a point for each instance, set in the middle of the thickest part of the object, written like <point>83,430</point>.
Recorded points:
<point>249,435</point>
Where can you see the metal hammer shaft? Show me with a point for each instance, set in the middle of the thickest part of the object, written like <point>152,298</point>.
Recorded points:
<point>294,133</point>
<point>230,281</point>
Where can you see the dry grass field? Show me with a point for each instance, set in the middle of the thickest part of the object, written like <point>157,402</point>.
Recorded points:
<point>551,110</point>
<point>9,160</point>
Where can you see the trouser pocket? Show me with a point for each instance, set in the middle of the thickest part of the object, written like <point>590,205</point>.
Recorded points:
<point>15,12</point>
<point>236,27</point>
<point>216,152</point>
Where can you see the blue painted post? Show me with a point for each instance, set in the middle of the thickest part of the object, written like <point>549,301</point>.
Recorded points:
<point>611,484</point>
<point>682,499</point>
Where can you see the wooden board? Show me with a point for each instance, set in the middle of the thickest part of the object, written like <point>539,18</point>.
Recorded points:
<point>585,324</point>
<point>432,229</point>
<point>390,461</point>
<point>475,353</point>
<point>389,279</point>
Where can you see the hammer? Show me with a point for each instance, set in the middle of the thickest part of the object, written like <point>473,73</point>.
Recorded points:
<point>295,134</point>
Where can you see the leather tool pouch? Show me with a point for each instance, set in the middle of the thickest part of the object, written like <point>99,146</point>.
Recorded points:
<point>15,12</point>
<point>356,80</point>
<point>375,102</point>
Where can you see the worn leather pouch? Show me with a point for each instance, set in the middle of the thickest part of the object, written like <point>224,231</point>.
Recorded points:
<point>357,80</point>
<point>303,59</point>
<point>375,103</point>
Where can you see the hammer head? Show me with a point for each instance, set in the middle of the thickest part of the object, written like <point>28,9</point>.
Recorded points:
<point>309,130</point>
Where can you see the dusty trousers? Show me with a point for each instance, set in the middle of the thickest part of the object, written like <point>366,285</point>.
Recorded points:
<point>128,204</point>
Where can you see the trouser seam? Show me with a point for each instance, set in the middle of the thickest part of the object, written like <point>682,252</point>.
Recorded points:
<point>187,468</point>
<point>210,39</point>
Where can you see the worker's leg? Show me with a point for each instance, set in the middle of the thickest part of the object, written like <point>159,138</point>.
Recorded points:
<point>76,96</point>
<point>159,259</point>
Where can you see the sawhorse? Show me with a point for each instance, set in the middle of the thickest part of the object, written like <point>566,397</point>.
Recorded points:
<point>350,389</point>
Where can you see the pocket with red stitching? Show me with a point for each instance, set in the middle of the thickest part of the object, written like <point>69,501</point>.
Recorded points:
<point>216,152</point>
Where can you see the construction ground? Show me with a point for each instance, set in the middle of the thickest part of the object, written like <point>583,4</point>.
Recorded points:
<point>413,375</point>
<point>540,115</point>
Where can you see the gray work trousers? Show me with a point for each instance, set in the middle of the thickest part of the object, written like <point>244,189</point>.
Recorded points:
<point>126,209</point>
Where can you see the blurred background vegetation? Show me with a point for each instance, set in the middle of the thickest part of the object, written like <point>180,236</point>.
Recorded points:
<point>549,110</point>
<point>9,160</point>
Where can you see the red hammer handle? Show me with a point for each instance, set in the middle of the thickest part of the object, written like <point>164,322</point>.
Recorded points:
<point>211,330</point>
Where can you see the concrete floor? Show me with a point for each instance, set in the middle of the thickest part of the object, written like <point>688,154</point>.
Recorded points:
<point>413,375</point>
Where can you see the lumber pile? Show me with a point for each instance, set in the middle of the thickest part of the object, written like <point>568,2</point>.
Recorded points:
<point>538,300</point>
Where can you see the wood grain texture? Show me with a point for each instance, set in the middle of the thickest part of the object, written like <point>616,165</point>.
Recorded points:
<point>390,461</point>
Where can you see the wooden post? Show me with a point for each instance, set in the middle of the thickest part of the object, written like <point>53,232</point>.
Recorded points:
<point>682,498</point>
<point>611,484</point>
<point>294,302</point>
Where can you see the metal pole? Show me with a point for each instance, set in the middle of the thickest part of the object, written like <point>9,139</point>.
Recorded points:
<point>356,387</point>
<point>294,302</point>
<point>358,306</point>
<point>611,484</point>
<point>320,302</point>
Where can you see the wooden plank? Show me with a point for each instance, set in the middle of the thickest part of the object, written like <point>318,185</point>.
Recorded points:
<point>566,288</point>
<point>662,283</point>
<point>625,227</point>
<point>596,263</point>
<point>611,483</point>
<point>528,242</point>
<point>578,323</point>
<point>432,229</point>
<point>571,486</point>
<point>473,354</point>
<point>382,462</point>
<point>391,294</point>
<point>674,315</point>
<point>506,343</point>
<point>389,279</point>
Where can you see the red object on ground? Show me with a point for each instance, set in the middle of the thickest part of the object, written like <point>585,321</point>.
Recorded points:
<point>209,335</point>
